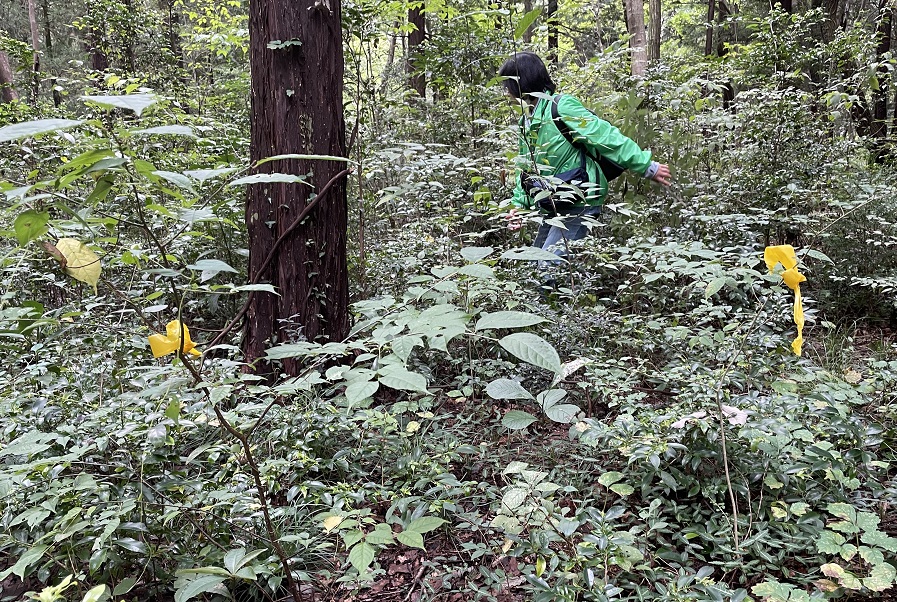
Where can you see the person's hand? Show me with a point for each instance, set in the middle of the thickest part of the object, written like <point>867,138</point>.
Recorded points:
<point>515,222</point>
<point>663,175</point>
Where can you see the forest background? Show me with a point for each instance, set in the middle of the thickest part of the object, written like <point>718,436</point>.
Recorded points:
<point>373,400</point>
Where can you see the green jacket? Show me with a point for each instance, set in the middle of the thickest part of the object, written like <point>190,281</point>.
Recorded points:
<point>554,155</point>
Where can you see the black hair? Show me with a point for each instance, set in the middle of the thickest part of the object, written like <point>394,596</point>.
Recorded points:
<point>530,73</point>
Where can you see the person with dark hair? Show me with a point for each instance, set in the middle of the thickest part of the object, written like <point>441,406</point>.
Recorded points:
<point>567,155</point>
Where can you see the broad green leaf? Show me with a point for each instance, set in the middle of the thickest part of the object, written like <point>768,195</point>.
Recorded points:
<point>829,542</point>
<point>842,510</point>
<point>474,254</point>
<point>259,288</point>
<point>208,174</point>
<point>30,225</point>
<point>124,586</point>
<point>505,388</point>
<point>622,489</point>
<point>403,346</point>
<point>32,442</point>
<point>195,587</point>
<point>27,129</point>
<point>268,178</point>
<point>609,478</point>
<point>178,179</point>
<point>819,255</point>
<point>211,265</point>
<point>403,380</point>
<point>546,399</point>
<point>95,594</point>
<point>131,544</point>
<point>304,157</point>
<point>527,20</point>
<point>412,539</point>
<point>425,524</point>
<point>507,319</point>
<point>532,349</point>
<point>133,102</point>
<point>80,262</point>
<point>714,286</point>
<point>173,411</point>
<point>32,556</point>
<point>477,270</point>
<point>513,498</point>
<point>517,419</point>
<point>563,413</point>
<point>877,538</point>
<point>362,555</point>
<point>360,390</point>
<point>881,577</point>
<point>172,130</point>
<point>380,536</point>
<point>531,254</point>
<point>772,591</point>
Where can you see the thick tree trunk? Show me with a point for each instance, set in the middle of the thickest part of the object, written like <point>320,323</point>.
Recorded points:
<point>417,81</point>
<point>551,19</point>
<point>654,29</point>
<point>7,91</point>
<point>35,49</point>
<point>635,25</point>
<point>297,107</point>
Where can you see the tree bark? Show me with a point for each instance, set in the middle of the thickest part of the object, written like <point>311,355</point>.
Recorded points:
<point>7,91</point>
<point>551,19</point>
<point>417,81</point>
<point>654,29</point>
<point>708,34</point>
<point>635,25</point>
<point>528,34</point>
<point>48,39</point>
<point>879,129</point>
<point>296,96</point>
<point>35,49</point>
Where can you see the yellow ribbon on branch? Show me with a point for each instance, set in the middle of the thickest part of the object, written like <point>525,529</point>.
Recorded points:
<point>168,343</point>
<point>785,255</point>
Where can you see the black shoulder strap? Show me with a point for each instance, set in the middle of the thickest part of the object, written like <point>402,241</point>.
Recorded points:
<point>610,169</point>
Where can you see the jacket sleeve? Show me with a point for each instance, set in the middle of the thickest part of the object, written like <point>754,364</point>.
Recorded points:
<point>601,136</point>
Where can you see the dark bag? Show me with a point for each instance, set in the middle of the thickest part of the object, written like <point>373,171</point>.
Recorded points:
<point>611,170</point>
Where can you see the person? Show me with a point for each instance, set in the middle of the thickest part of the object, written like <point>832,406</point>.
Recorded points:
<point>551,163</point>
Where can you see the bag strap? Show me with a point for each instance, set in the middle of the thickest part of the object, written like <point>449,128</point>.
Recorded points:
<point>610,169</point>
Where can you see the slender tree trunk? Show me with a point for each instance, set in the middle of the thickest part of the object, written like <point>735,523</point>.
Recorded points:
<point>297,108</point>
<point>708,33</point>
<point>528,34</point>
<point>7,91</point>
<point>417,81</point>
<point>551,20</point>
<point>35,49</point>
<point>654,30</point>
<point>48,39</point>
<point>879,130</point>
<point>635,25</point>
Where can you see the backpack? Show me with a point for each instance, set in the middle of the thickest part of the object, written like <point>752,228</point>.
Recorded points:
<point>611,170</point>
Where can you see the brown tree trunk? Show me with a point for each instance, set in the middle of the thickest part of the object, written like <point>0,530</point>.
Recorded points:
<point>48,40</point>
<point>635,25</point>
<point>551,19</point>
<point>879,129</point>
<point>296,96</point>
<point>708,33</point>
<point>654,30</point>
<point>7,91</point>
<point>417,81</point>
<point>528,34</point>
<point>35,49</point>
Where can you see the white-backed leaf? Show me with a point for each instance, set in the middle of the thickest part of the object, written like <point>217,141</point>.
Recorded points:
<point>178,179</point>
<point>508,319</point>
<point>259,288</point>
<point>303,157</point>
<point>477,270</point>
<point>134,102</point>
<point>211,265</point>
<point>360,390</point>
<point>268,178</point>
<point>207,174</point>
<point>505,388</point>
<point>404,380</point>
<point>517,420</point>
<point>530,254</point>
<point>95,594</point>
<point>714,286</point>
<point>8,133</point>
<point>532,349</point>
<point>170,130</point>
<point>548,398</point>
<point>474,254</point>
<point>564,413</point>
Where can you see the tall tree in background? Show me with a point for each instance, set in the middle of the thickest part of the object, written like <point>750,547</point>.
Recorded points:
<point>296,79</point>
<point>417,81</point>
<point>35,49</point>
<point>551,10</point>
<point>879,130</point>
<point>654,30</point>
<point>7,91</point>
<point>528,34</point>
<point>634,10</point>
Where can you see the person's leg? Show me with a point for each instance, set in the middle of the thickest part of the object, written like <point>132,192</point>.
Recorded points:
<point>556,239</point>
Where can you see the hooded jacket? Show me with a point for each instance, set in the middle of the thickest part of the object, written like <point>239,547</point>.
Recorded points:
<point>543,145</point>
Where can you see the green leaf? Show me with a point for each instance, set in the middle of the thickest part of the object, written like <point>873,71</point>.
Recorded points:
<point>172,130</point>
<point>881,577</point>
<point>829,542</point>
<point>548,398</point>
<point>173,411</point>
<point>474,254</point>
<point>842,510</point>
<point>532,349</point>
<point>513,498</point>
<point>362,555</point>
<point>404,380</point>
<point>32,442</point>
<point>304,157</point>
<point>517,420</point>
<point>131,544</point>
<point>200,585</point>
<point>124,586</point>
<point>360,390</point>
<point>32,556</point>
<point>527,20</point>
<point>425,524</point>
<point>477,270</point>
<point>30,225</point>
<point>210,268</point>
<point>714,286</point>
<point>412,539</point>
<point>505,388</point>
<point>622,489</point>
<point>268,178</point>
<point>609,478</point>
<point>877,538</point>
<point>381,535</point>
<point>508,319</point>
<point>95,594</point>
<point>133,102</point>
<point>563,413</point>
<point>403,346</point>
<point>178,179</point>
<point>33,128</point>
<point>208,174</point>
<point>530,254</point>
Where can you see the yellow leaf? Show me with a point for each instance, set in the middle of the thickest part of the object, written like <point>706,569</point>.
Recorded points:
<point>332,522</point>
<point>80,262</point>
